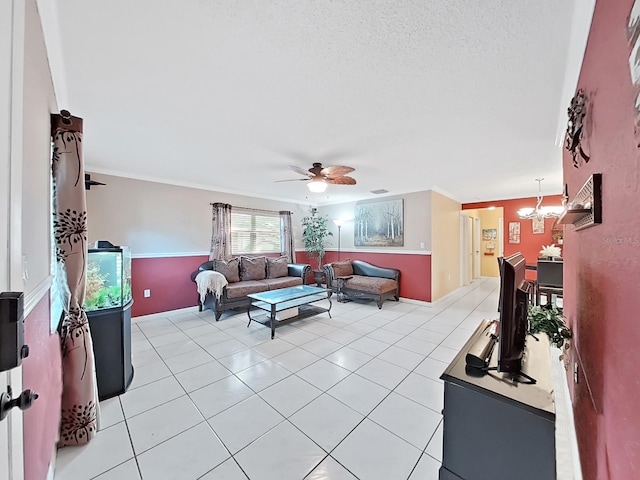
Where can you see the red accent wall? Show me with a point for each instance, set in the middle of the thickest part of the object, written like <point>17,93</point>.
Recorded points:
<point>602,263</point>
<point>42,373</point>
<point>415,270</point>
<point>168,278</point>
<point>530,244</point>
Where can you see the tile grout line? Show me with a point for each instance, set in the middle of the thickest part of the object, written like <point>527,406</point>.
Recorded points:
<point>316,361</point>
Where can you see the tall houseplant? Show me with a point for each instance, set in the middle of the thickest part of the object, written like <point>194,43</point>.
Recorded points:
<point>314,234</point>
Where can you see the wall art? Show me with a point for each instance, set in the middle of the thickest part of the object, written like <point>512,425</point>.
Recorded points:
<point>514,232</point>
<point>538,226</point>
<point>489,234</point>
<point>575,138</point>
<point>633,36</point>
<point>379,224</point>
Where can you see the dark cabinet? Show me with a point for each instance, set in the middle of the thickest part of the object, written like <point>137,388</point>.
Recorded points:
<point>111,335</point>
<point>495,428</point>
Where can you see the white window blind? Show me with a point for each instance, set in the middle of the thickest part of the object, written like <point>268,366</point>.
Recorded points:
<point>255,232</point>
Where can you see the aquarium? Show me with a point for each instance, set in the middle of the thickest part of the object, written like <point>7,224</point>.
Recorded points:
<point>108,278</point>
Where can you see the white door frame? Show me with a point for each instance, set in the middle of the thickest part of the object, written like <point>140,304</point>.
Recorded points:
<point>12,30</point>
<point>466,249</point>
<point>477,245</point>
<point>501,236</point>
<point>469,249</point>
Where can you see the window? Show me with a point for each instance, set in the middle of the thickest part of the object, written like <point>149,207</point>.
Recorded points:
<point>57,286</point>
<point>253,232</point>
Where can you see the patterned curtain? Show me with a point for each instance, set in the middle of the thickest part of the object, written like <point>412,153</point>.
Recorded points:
<point>286,236</point>
<point>221,234</point>
<point>79,420</point>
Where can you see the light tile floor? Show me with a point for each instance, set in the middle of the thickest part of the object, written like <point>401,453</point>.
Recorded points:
<point>356,396</point>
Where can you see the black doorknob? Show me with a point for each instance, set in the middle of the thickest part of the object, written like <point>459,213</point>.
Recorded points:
<point>23,402</point>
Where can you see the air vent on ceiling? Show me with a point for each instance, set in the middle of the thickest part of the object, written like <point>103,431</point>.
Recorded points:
<point>379,191</point>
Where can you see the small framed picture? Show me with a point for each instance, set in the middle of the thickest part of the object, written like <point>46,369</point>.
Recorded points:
<point>489,234</point>
<point>538,226</point>
<point>514,232</point>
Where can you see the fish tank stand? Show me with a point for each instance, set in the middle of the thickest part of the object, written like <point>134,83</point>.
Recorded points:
<point>111,335</point>
<point>108,304</point>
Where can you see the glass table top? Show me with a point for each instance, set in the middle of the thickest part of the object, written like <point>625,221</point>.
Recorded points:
<point>285,294</point>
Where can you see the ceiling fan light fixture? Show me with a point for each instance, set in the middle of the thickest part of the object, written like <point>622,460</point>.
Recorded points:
<point>317,186</point>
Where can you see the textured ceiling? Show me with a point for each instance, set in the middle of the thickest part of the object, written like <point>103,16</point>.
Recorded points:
<point>461,96</point>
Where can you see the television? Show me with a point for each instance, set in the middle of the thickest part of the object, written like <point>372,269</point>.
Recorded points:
<point>513,307</point>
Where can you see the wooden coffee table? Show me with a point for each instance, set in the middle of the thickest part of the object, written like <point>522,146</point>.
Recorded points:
<point>276,301</point>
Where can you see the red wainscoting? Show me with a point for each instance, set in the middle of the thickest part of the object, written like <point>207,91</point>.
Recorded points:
<point>42,373</point>
<point>602,263</point>
<point>168,278</point>
<point>530,244</point>
<point>415,269</point>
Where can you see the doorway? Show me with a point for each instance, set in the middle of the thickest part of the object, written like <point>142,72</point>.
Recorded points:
<point>12,30</point>
<point>488,240</point>
<point>466,250</point>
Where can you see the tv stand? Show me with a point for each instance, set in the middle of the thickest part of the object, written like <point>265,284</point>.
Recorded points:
<point>496,427</point>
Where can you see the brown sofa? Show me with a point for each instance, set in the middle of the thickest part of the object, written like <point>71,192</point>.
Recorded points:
<point>359,279</point>
<point>247,275</point>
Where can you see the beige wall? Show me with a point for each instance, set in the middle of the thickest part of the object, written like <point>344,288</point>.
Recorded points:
<point>417,222</point>
<point>155,218</point>
<point>489,219</point>
<point>39,102</point>
<point>445,245</point>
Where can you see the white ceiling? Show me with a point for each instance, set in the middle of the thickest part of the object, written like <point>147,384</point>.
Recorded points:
<point>458,96</point>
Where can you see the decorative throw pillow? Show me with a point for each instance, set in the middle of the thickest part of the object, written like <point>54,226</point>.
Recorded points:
<point>277,267</point>
<point>253,268</point>
<point>342,269</point>
<point>229,268</point>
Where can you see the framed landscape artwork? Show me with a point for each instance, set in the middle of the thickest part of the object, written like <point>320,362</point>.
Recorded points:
<point>489,234</point>
<point>379,224</point>
<point>514,232</point>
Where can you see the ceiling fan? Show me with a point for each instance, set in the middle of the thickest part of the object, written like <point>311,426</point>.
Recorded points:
<point>319,177</point>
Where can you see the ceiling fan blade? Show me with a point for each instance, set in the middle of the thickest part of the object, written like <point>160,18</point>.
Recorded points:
<point>341,180</point>
<point>292,180</point>
<point>301,171</point>
<point>336,170</point>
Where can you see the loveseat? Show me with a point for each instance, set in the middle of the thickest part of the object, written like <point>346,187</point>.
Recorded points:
<point>247,275</point>
<point>359,279</point>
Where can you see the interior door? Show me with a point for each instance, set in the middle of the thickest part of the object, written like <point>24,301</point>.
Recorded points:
<point>477,262</point>
<point>5,95</point>
<point>11,86</point>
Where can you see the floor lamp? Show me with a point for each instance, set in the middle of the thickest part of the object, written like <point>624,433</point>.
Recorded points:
<point>339,223</point>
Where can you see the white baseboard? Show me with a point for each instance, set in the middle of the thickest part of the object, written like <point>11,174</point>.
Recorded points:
<point>51,473</point>
<point>422,303</point>
<point>151,316</point>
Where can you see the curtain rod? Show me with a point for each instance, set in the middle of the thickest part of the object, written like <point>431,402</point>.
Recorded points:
<point>248,209</point>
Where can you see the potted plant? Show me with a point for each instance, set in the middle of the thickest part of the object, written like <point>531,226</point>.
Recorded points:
<point>314,233</point>
<point>551,322</point>
<point>550,251</point>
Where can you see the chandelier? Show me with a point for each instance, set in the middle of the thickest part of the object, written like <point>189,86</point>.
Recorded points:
<point>540,212</point>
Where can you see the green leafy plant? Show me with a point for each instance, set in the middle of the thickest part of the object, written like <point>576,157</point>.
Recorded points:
<point>314,233</point>
<point>549,321</point>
